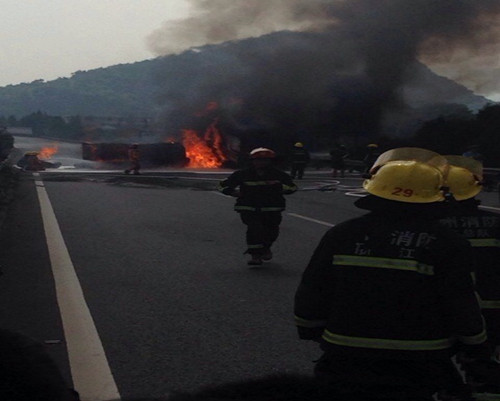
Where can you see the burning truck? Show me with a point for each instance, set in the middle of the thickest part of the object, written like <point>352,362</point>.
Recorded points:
<point>209,149</point>
<point>152,155</point>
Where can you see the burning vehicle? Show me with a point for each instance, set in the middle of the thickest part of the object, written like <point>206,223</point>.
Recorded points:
<point>31,161</point>
<point>38,160</point>
<point>152,155</point>
<point>198,142</point>
<point>209,149</point>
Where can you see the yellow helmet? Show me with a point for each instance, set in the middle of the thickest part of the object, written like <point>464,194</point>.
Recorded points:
<point>411,175</point>
<point>464,177</point>
<point>299,145</point>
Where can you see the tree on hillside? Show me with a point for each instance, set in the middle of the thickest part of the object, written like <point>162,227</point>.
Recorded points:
<point>446,135</point>
<point>37,122</point>
<point>487,134</point>
<point>455,135</point>
<point>43,124</point>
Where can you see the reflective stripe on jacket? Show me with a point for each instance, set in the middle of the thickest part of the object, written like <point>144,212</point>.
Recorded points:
<point>383,263</point>
<point>384,343</point>
<point>485,242</point>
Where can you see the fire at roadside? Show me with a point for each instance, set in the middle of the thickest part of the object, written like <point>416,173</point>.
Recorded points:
<point>37,160</point>
<point>209,149</point>
<point>197,155</point>
<point>152,155</point>
<point>201,144</point>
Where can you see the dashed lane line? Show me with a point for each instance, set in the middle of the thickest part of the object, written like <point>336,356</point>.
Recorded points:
<point>90,370</point>
<point>299,216</point>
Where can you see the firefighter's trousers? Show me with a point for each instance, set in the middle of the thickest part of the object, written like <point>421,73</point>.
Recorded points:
<point>391,379</point>
<point>262,230</point>
<point>297,170</point>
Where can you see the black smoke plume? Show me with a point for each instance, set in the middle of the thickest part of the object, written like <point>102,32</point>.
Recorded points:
<point>306,68</point>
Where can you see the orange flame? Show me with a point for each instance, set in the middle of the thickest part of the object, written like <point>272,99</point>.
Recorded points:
<point>47,152</point>
<point>204,152</point>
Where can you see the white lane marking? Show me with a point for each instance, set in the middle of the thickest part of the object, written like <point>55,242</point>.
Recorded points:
<point>324,223</point>
<point>359,194</point>
<point>90,371</point>
<point>221,194</point>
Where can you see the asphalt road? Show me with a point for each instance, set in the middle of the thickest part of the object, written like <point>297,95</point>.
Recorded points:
<point>159,259</point>
<point>161,266</point>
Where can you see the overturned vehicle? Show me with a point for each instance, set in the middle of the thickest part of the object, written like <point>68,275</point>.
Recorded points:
<point>31,162</point>
<point>151,155</point>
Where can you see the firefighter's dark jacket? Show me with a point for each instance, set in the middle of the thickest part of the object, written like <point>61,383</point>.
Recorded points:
<point>393,282</point>
<point>482,229</point>
<point>299,156</point>
<point>133,154</point>
<point>259,193</point>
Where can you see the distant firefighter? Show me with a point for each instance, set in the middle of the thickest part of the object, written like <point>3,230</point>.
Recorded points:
<point>299,158</point>
<point>337,156</point>
<point>134,158</point>
<point>372,153</point>
<point>259,189</point>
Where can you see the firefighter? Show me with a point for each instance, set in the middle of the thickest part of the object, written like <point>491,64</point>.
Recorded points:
<point>134,158</point>
<point>372,153</point>
<point>337,157</point>
<point>388,295</point>
<point>299,158</point>
<point>259,190</point>
<point>482,229</point>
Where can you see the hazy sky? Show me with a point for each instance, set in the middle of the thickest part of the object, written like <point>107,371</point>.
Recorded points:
<point>47,39</point>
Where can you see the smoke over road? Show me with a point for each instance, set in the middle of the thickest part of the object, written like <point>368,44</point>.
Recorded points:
<point>365,46</point>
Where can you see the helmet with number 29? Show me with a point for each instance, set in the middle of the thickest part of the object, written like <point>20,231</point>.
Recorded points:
<point>411,175</point>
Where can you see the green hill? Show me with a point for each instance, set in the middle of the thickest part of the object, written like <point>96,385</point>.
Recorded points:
<point>293,84</point>
<point>121,90</point>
